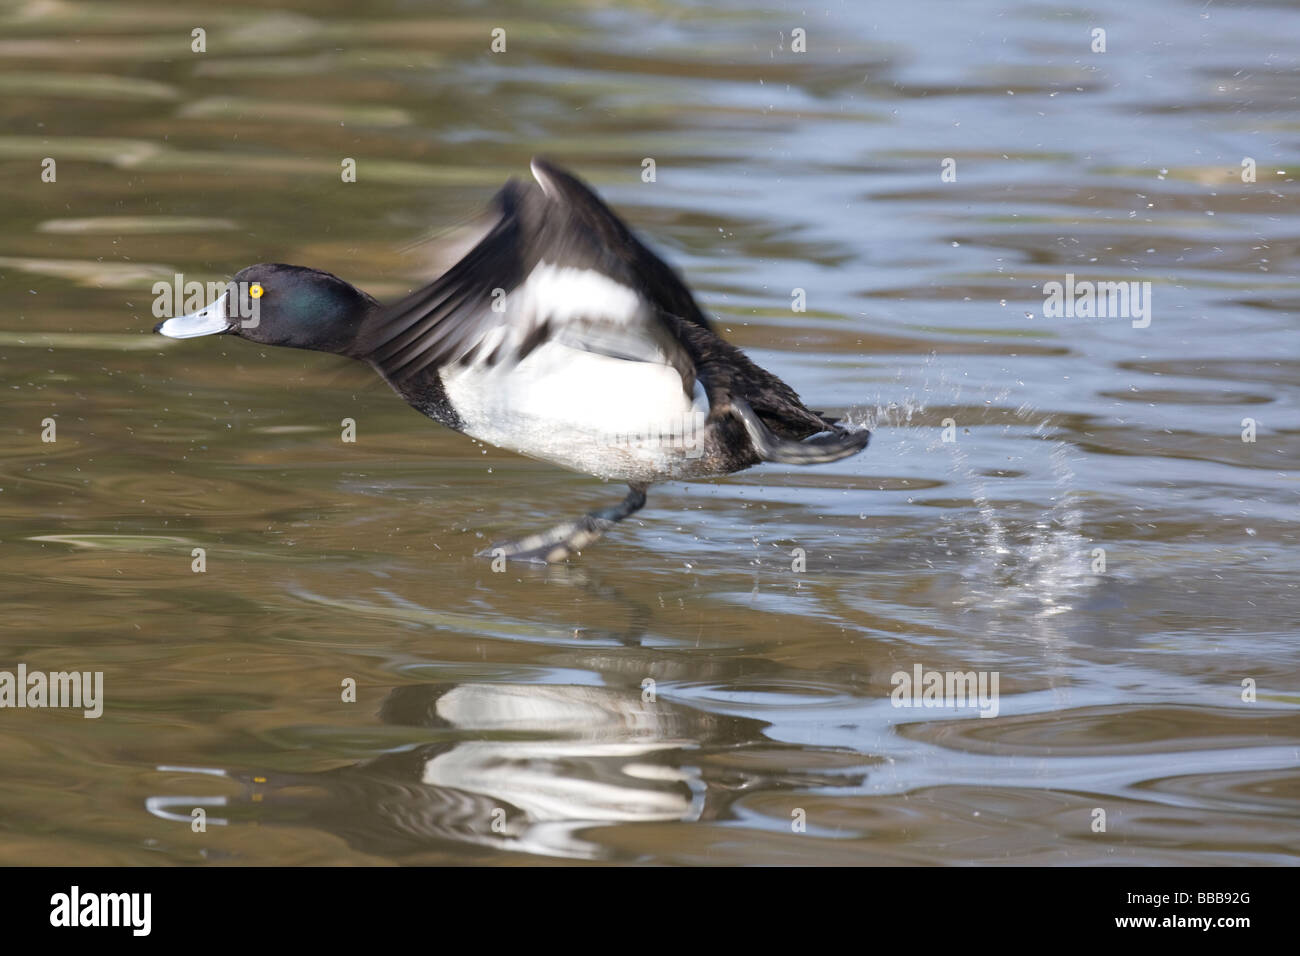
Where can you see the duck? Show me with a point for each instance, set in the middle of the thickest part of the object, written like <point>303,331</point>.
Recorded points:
<point>559,336</point>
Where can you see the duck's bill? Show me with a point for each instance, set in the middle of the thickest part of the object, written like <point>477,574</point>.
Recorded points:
<point>211,320</point>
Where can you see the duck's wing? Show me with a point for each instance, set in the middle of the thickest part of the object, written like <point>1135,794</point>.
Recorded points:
<point>557,264</point>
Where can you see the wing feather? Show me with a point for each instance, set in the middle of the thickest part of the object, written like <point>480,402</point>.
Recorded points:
<point>556,264</point>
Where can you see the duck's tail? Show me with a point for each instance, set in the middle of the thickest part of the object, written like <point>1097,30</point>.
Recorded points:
<point>839,443</point>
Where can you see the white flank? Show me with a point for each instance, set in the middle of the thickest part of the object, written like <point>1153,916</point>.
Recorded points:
<point>608,417</point>
<point>625,418</point>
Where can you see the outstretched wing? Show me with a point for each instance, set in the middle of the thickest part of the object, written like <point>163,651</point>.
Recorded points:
<point>558,264</point>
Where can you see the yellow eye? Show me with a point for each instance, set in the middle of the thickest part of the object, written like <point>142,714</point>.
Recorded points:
<point>255,290</point>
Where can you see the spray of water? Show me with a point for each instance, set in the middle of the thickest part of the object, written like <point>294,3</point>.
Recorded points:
<point>1017,551</point>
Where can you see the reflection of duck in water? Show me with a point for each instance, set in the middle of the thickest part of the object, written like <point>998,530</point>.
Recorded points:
<point>523,767</point>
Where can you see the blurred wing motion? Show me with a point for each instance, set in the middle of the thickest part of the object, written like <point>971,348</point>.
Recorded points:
<point>558,266</point>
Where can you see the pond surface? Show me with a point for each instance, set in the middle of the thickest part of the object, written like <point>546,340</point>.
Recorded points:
<point>1068,503</point>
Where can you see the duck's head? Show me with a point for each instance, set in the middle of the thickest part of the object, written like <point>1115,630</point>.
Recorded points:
<point>277,304</point>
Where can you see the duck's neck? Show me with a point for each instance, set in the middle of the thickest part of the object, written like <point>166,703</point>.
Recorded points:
<point>343,336</point>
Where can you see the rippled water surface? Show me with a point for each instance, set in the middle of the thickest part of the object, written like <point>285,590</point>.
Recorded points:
<point>712,683</point>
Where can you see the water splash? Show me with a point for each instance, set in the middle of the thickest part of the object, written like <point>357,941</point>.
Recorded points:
<point>1018,552</point>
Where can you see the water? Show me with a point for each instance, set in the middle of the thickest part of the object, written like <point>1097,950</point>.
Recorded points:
<point>680,694</point>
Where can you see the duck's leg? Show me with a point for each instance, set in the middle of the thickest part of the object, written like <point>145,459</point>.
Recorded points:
<point>564,539</point>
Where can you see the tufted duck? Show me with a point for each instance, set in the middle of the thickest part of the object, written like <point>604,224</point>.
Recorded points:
<point>559,336</point>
